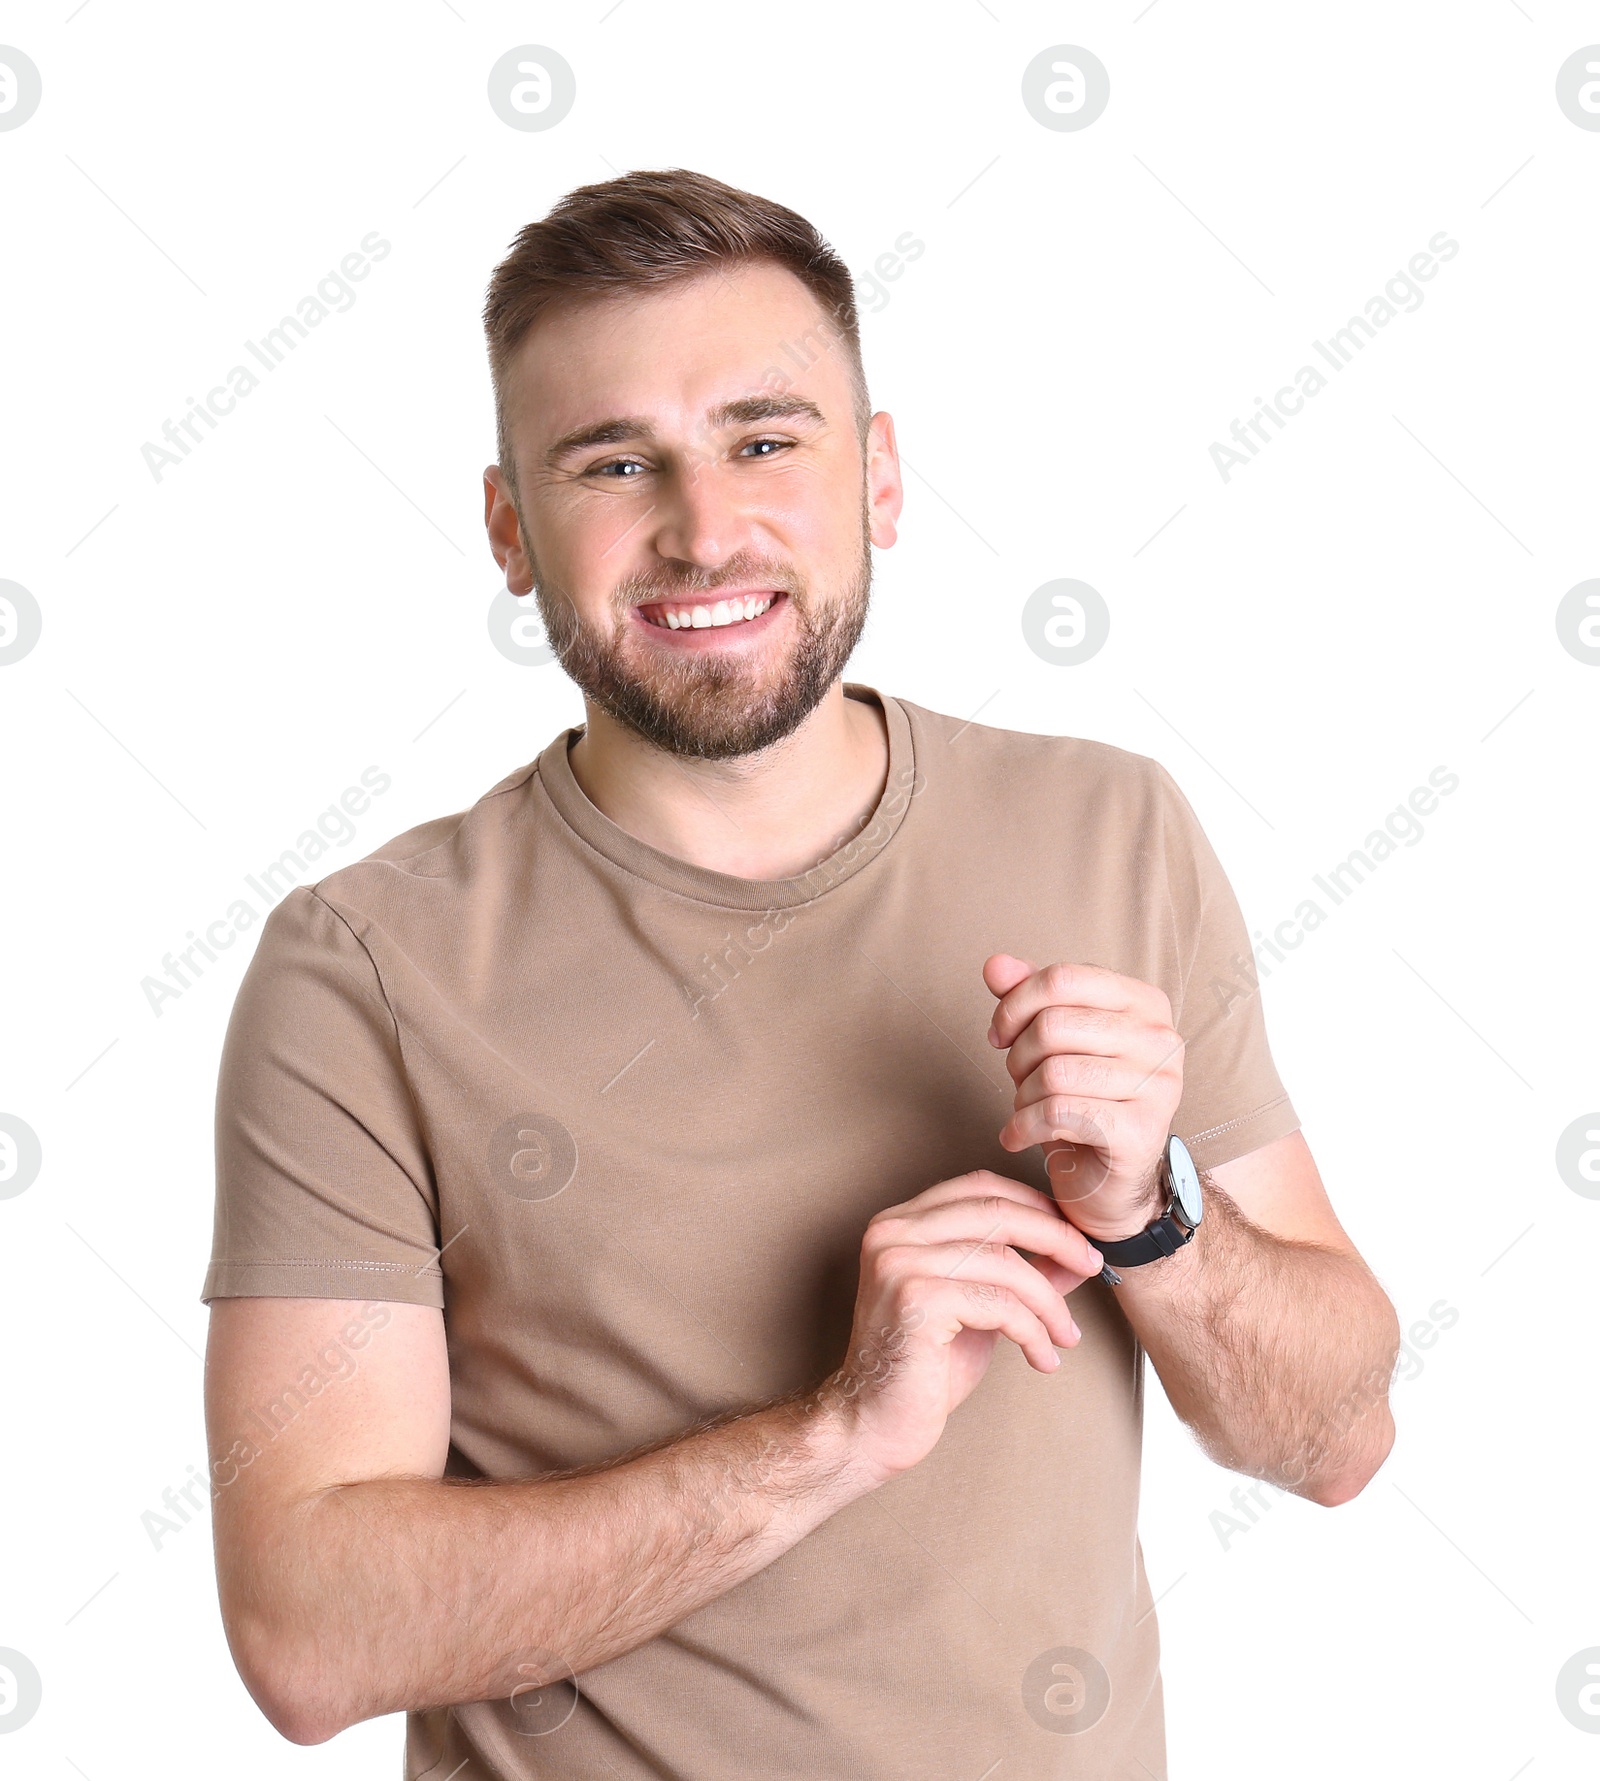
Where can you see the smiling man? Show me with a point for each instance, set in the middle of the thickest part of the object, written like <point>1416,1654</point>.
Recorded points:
<point>746,1157</point>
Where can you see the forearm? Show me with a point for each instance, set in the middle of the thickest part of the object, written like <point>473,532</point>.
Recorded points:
<point>1277,1354</point>
<point>396,1594</point>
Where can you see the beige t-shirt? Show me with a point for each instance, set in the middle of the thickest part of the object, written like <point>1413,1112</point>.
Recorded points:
<point>646,1110</point>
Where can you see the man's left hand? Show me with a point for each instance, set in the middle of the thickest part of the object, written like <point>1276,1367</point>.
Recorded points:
<point>1099,1072</point>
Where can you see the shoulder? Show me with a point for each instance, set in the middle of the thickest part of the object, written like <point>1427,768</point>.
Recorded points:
<point>443,850</point>
<point>986,762</point>
<point>418,882</point>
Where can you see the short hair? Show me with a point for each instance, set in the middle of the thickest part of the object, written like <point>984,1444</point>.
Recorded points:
<point>645,230</point>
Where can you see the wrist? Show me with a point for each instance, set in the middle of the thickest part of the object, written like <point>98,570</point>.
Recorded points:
<point>1174,1227</point>
<point>834,1457</point>
<point>1115,1223</point>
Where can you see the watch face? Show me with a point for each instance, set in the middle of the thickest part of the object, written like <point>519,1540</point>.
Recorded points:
<point>1185,1180</point>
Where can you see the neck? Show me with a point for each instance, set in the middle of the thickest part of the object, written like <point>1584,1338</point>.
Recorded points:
<point>772,815</point>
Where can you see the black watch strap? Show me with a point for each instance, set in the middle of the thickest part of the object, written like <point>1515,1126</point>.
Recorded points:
<point>1174,1228</point>
<point>1165,1237</point>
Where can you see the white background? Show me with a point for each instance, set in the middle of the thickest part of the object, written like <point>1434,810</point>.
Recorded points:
<point>226,649</point>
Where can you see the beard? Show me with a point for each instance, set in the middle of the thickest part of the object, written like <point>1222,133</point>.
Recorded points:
<point>699,706</point>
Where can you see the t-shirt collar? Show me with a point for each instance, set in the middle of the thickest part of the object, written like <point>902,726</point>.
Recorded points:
<point>850,856</point>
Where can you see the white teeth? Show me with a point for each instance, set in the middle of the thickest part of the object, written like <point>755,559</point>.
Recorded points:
<point>701,618</point>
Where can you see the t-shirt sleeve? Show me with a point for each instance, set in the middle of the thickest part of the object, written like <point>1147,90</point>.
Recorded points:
<point>1233,1100</point>
<point>324,1185</point>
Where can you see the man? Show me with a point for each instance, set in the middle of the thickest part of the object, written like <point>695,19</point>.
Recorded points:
<point>639,1297</point>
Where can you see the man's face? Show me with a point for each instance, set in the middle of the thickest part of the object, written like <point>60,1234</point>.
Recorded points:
<point>696,512</point>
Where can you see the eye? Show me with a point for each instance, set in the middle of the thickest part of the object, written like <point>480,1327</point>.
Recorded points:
<point>616,464</point>
<point>780,443</point>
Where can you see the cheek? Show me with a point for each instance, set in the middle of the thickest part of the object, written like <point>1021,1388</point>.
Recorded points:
<point>833,558</point>
<point>583,565</point>
<point>574,532</point>
<point>816,508</point>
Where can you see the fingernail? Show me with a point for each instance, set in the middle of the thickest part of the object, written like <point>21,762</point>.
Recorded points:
<point>994,1037</point>
<point>1096,1260</point>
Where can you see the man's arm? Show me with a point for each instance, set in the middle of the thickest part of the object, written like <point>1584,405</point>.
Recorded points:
<point>356,1580</point>
<point>1268,1331</point>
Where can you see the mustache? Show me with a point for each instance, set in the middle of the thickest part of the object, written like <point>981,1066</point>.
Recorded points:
<point>641,592</point>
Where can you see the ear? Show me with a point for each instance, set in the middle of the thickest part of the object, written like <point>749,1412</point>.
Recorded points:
<point>505,532</point>
<point>885,489</point>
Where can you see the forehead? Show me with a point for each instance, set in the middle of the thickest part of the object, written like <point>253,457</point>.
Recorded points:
<point>674,353</point>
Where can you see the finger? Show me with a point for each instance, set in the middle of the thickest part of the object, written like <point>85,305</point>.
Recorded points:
<point>1092,1078</point>
<point>1062,1280</point>
<point>1069,986</point>
<point>956,1305</point>
<point>1075,1118</point>
<point>992,1218</point>
<point>1003,971</point>
<point>992,1264</point>
<point>1092,1032</point>
<point>976,1184</point>
<point>1025,1219</point>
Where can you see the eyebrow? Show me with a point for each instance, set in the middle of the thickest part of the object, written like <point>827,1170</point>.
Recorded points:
<point>621,429</point>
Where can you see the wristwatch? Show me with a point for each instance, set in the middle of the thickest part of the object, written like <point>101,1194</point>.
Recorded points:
<point>1175,1227</point>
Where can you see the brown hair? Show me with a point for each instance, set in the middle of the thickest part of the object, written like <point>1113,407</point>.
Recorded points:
<point>641,231</point>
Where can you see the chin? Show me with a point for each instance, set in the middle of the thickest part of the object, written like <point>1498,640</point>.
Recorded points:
<point>710,709</point>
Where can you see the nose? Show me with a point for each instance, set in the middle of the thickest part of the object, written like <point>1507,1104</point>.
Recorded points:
<point>698,517</point>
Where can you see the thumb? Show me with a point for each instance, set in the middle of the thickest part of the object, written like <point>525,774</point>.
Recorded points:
<point>1003,971</point>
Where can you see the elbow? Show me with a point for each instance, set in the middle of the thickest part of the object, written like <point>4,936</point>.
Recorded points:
<point>1361,1435</point>
<point>1344,1483</point>
<point>300,1727</point>
<point>290,1713</point>
<point>1331,1493</point>
<point>302,1731</point>
<point>295,1698</point>
<point>294,1671</point>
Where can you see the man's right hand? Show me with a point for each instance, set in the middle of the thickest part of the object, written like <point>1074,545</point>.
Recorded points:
<point>941,1280</point>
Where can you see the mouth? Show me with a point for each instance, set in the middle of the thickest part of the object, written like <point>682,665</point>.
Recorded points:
<point>741,612</point>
